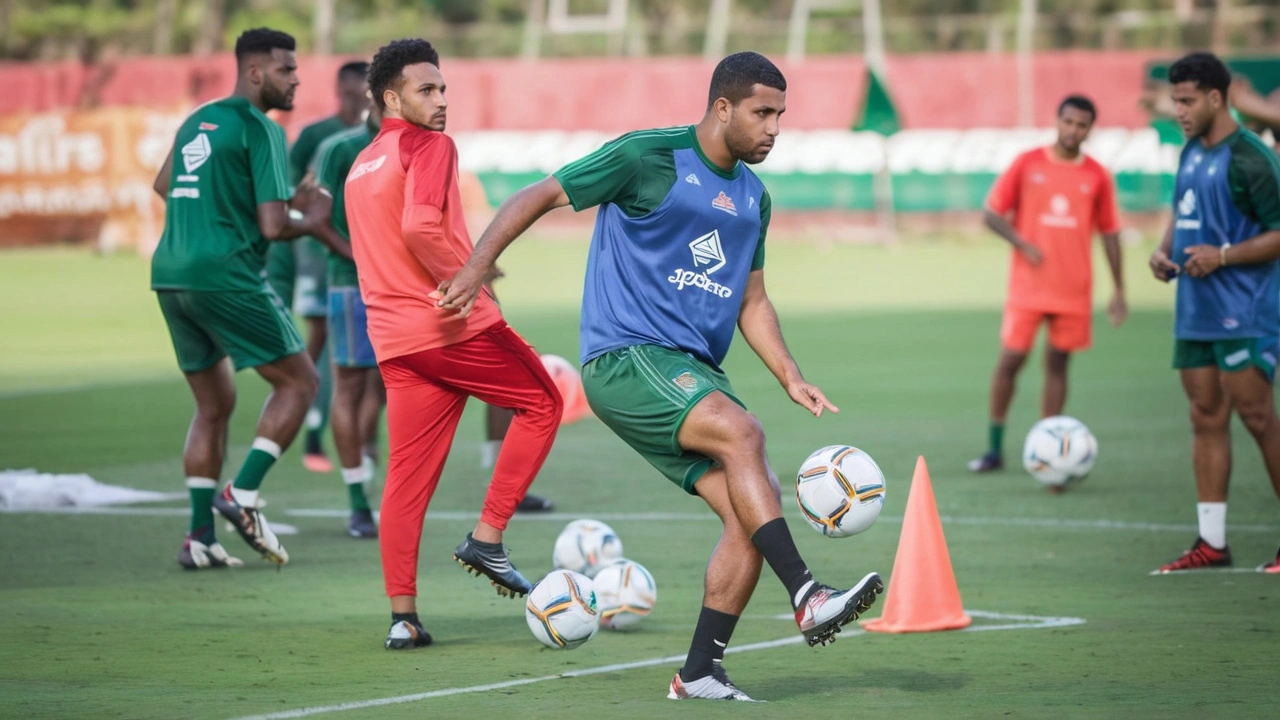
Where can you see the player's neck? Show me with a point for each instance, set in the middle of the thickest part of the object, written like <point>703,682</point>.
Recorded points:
<point>250,93</point>
<point>1223,127</point>
<point>1063,155</point>
<point>350,117</point>
<point>711,143</point>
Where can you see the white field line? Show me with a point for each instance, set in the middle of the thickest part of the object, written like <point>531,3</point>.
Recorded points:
<point>1204,570</point>
<point>1019,622</point>
<point>463,516</point>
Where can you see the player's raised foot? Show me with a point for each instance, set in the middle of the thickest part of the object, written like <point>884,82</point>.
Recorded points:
<point>534,503</point>
<point>827,609</point>
<point>405,635</point>
<point>1273,567</point>
<point>991,462</point>
<point>362,525</point>
<point>491,560</point>
<point>195,555</point>
<point>317,462</point>
<point>252,526</point>
<point>1201,556</point>
<point>716,686</point>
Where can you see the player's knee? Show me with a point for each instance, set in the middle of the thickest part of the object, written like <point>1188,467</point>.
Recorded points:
<point>1257,418</point>
<point>1055,361</point>
<point>774,485</point>
<point>1209,417</point>
<point>217,410</point>
<point>306,381</point>
<point>747,437</point>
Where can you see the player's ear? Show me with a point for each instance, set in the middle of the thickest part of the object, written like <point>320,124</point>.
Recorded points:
<point>391,100</point>
<point>723,109</point>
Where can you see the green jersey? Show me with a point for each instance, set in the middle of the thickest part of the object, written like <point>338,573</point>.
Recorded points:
<point>229,158</point>
<point>306,147</point>
<point>333,161</point>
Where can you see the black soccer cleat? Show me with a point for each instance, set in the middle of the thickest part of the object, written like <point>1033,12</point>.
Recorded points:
<point>991,462</point>
<point>362,525</point>
<point>534,503</point>
<point>405,635</point>
<point>252,526</point>
<point>493,563</point>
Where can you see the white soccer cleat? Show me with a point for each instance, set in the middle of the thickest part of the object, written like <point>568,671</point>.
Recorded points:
<point>716,686</point>
<point>827,609</point>
<point>252,526</point>
<point>196,555</point>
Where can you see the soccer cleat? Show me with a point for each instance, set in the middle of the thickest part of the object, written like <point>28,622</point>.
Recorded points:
<point>493,564</point>
<point>716,686</point>
<point>196,555</point>
<point>362,525</point>
<point>533,503</point>
<point>1271,568</point>
<point>826,610</point>
<point>991,462</point>
<point>252,526</point>
<point>1202,555</point>
<point>317,463</point>
<point>405,635</point>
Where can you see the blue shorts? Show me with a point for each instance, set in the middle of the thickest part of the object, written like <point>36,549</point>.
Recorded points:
<point>349,344</point>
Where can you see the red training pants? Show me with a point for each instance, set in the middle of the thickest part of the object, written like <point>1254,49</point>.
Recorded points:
<point>426,394</point>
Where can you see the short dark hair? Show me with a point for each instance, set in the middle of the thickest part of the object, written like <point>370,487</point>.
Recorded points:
<point>736,76</point>
<point>1079,102</point>
<point>389,62</point>
<point>1204,69</point>
<point>354,69</point>
<point>261,41</point>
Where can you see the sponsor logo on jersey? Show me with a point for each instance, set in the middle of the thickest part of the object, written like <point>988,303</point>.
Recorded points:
<point>1186,208</point>
<point>693,180</point>
<point>365,168</point>
<point>193,193</point>
<point>725,203</point>
<point>708,257</point>
<point>196,152</point>
<point>1059,214</point>
<point>751,202</point>
<point>686,381</point>
<point>208,126</point>
<point>1231,324</point>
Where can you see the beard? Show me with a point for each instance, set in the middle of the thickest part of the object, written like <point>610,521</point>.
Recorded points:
<point>743,147</point>
<point>277,99</point>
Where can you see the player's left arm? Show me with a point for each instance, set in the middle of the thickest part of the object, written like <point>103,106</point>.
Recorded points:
<point>1254,179</point>
<point>1108,223</point>
<point>330,169</point>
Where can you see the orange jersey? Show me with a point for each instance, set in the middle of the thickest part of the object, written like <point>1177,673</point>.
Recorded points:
<point>408,235</point>
<point>1056,205</point>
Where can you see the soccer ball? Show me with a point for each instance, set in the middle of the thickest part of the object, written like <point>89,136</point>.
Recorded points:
<point>840,490</point>
<point>561,610</point>
<point>584,546</point>
<point>625,592</point>
<point>1059,450</point>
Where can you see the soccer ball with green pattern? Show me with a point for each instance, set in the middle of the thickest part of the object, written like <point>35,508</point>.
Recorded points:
<point>840,490</point>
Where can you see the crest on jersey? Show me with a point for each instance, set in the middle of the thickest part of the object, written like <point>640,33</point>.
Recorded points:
<point>1187,205</point>
<point>196,152</point>
<point>686,381</point>
<point>693,180</point>
<point>725,203</point>
<point>708,255</point>
<point>208,126</point>
<point>1059,204</point>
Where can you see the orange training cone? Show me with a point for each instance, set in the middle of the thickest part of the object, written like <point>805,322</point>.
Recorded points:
<point>922,591</point>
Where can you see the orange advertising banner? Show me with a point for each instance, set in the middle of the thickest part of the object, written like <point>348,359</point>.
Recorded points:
<point>83,176</point>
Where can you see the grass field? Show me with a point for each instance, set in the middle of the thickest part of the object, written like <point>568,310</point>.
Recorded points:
<point>100,622</point>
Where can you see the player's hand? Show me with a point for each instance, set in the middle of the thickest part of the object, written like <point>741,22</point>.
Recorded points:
<point>1162,267</point>
<point>1202,260</point>
<point>1118,310</point>
<point>458,294</point>
<point>1031,253</point>
<point>809,397</point>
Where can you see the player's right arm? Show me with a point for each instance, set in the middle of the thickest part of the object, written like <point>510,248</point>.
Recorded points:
<point>1002,199</point>
<point>1162,267</point>
<point>600,177</point>
<point>161,185</point>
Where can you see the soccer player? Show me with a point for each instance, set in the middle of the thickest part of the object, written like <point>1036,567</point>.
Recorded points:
<point>676,260</point>
<point>297,271</point>
<point>1222,247</point>
<point>358,392</point>
<point>226,198</point>
<point>1057,196</point>
<point>407,231</point>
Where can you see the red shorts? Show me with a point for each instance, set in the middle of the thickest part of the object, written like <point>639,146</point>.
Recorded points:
<point>1068,332</point>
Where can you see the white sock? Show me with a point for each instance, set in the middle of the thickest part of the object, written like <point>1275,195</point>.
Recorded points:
<point>489,453</point>
<point>268,446</point>
<point>313,419</point>
<point>357,475</point>
<point>246,498</point>
<point>202,482</point>
<point>795,603</point>
<point>1213,523</point>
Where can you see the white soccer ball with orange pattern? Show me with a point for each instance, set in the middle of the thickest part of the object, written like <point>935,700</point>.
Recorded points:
<point>625,594</point>
<point>1059,450</point>
<point>561,610</point>
<point>840,490</point>
<point>585,546</point>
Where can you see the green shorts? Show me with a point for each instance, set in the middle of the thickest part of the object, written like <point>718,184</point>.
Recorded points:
<point>311,288</point>
<point>251,326</point>
<point>643,393</point>
<point>282,271</point>
<point>1228,355</point>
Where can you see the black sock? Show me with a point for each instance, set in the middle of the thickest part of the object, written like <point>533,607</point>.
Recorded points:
<point>710,638</point>
<point>411,618</point>
<point>312,443</point>
<point>491,547</point>
<point>774,542</point>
